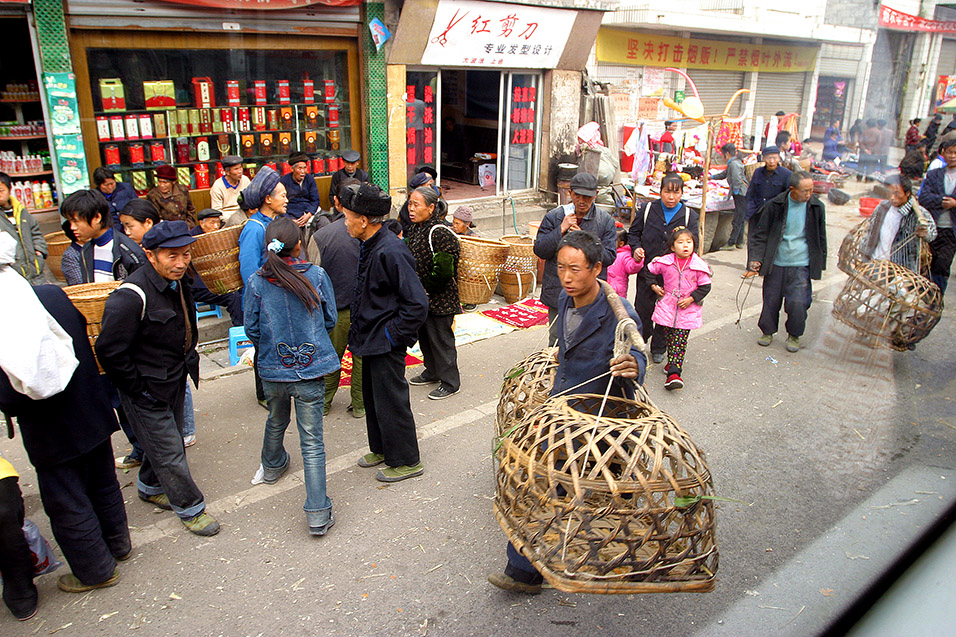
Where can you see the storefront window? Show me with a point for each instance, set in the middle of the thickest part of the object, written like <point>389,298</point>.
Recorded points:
<point>189,108</point>
<point>521,131</point>
<point>421,112</point>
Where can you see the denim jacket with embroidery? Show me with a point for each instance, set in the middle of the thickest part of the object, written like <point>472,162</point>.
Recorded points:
<point>291,343</point>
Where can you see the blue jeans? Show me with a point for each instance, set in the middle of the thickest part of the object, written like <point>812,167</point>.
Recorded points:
<point>189,416</point>
<point>309,396</point>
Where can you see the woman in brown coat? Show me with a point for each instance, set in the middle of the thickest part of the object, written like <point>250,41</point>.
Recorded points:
<point>170,198</point>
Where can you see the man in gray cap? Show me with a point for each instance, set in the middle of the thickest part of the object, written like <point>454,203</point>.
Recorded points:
<point>224,194</point>
<point>388,308</point>
<point>147,348</point>
<point>580,214</point>
<point>302,192</point>
<point>351,169</point>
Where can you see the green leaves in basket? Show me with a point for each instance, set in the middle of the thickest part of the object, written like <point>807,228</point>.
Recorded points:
<point>513,372</point>
<point>683,501</point>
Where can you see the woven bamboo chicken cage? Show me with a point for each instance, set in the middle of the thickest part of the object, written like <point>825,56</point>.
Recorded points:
<point>90,299</point>
<point>526,386</point>
<point>850,257</point>
<point>593,501</point>
<point>215,255</point>
<point>480,264</point>
<point>517,278</point>
<point>56,243</point>
<point>891,305</point>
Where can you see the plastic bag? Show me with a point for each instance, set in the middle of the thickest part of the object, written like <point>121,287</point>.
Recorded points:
<point>44,561</point>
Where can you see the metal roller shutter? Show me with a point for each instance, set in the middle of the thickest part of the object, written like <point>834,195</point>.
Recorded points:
<point>839,60</point>
<point>779,92</point>
<point>716,88</point>
<point>947,58</point>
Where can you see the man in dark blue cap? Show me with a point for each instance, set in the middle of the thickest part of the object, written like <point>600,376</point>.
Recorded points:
<point>148,349</point>
<point>768,181</point>
<point>350,170</point>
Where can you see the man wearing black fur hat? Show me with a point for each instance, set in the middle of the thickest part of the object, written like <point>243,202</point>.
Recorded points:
<point>388,308</point>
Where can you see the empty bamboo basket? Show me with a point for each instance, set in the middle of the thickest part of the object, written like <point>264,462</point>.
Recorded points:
<point>90,299</point>
<point>526,386</point>
<point>56,243</point>
<point>215,255</point>
<point>480,264</point>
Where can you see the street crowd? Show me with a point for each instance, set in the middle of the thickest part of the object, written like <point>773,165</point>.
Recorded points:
<point>319,282</point>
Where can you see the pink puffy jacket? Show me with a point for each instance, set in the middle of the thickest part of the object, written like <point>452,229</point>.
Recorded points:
<point>677,285</point>
<point>624,266</point>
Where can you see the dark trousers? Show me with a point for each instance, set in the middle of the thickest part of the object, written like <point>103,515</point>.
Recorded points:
<point>437,340</point>
<point>136,452</point>
<point>83,501</point>
<point>159,428</point>
<point>553,326</point>
<point>16,561</point>
<point>737,228</point>
<point>388,413</point>
<point>944,249</point>
<point>788,287</point>
<point>751,224</point>
<point>520,569</point>
<point>232,302</point>
<point>644,301</point>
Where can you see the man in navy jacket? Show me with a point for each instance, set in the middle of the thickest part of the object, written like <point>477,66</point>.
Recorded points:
<point>117,193</point>
<point>768,181</point>
<point>389,305</point>
<point>938,196</point>
<point>301,189</point>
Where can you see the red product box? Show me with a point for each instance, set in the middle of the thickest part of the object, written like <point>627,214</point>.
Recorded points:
<point>286,168</point>
<point>272,165</point>
<point>103,129</point>
<point>203,93</point>
<point>157,152</point>
<point>243,119</point>
<point>232,92</point>
<point>283,92</point>
<point>136,154</point>
<point>329,91</point>
<point>202,176</point>
<point>308,91</point>
<point>258,118</point>
<point>132,127</point>
<point>333,118</point>
<point>146,126</point>
<point>117,128</point>
<point>228,125</point>
<point>260,92</point>
<point>205,121</point>
<point>220,171</point>
<point>112,154</point>
<point>272,119</point>
<point>182,150</point>
<point>318,166</point>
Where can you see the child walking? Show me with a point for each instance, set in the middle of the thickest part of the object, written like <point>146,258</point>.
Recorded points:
<point>289,310</point>
<point>619,273</point>
<point>683,280</point>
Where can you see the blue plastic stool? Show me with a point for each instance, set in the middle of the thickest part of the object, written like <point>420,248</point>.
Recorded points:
<point>213,310</point>
<point>237,342</point>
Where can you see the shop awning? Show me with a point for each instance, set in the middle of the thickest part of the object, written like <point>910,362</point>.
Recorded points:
<point>259,5</point>
<point>948,107</point>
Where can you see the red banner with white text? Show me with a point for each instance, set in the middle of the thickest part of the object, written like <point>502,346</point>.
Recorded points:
<point>893,19</point>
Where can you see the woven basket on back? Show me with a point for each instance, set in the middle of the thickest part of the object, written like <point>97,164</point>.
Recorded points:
<point>526,386</point>
<point>90,299</point>
<point>850,257</point>
<point>521,256</point>
<point>215,255</point>
<point>56,243</point>
<point>891,305</point>
<point>478,268</point>
<point>591,502</point>
<point>750,169</point>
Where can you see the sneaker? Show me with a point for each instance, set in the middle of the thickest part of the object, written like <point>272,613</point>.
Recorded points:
<point>469,307</point>
<point>657,358</point>
<point>793,344</point>
<point>326,410</point>
<point>506,583</point>
<point>271,476</point>
<point>160,500</point>
<point>322,530</point>
<point>667,369</point>
<point>421,379</point>
<point>358,413</point>
<point>371,460</point>
<point>202,524</point>
<point>129,462</point>
<point>765,340</point>
<point>749,274</point>
<point>189,441</point>
<point>442,391</point>
<point>30,614</point>
<point>674,382</point>
<point>729,246</point>
<point>123,558</point>
<point>397,474</point>
<point>739,246</point>
<point>71,583</point>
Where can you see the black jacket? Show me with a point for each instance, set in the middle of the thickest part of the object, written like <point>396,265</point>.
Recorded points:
<point>652,234</point>
<point>932,192</point>
<point>127,257</point>
<point>769,231</point>
<point>79,418</point>
<point>546,242</point>
<point>764,186</point>
<point>439,278</point>
<point>389,303</point>
<point>146,357</point>
<point>338,177</point>
<point>338,253</point>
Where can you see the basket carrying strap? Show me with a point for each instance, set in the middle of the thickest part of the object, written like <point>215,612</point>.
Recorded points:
<point>139,291</point>
<point>432,231</point>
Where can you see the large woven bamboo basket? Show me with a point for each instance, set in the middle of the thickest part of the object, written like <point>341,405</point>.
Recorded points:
<point>891,306</point>
<point>478,268</point>
<point>592,501</point>
<point>90,299</point>
<point>750,169</point>
<point>56,243</point>
<point>850,257</point>
<point>521,256</point>
<point>215,255</point>
<point>526,386</point>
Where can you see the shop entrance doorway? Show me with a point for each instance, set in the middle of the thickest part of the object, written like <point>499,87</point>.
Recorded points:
<point>469,139</point>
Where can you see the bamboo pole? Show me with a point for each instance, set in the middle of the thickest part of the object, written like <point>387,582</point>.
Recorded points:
<point>702,224</point>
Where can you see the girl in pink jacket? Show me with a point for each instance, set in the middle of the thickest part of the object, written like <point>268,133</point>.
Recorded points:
<point>619,272</point>
<point>686,281</point>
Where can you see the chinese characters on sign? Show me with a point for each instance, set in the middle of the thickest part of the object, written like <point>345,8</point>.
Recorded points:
<point>893,19</point>
<point>489,34</point>
<point>523,115</point>
<point>643,49</point>
<point>420,124</point>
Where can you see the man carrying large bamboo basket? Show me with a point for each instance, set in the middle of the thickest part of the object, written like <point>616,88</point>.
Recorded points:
<point>586,330</point>
<point>148,349</point>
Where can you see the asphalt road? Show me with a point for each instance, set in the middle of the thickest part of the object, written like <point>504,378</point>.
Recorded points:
<point>807,438</point>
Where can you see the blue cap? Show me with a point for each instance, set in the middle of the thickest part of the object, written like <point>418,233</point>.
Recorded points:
<point>771,150</point>
<point>168,234</point>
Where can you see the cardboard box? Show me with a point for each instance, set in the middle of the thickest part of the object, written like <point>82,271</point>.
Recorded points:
<point>224,144</point>
<point>272,119</point>
<point>232,93</point>
<point>157,152</point>
<point>112,94</point>
<point>333,115</point>
<point>202,148</point>
<point>203,94</point>
<point>159,95</point>
<point>216,121</point>
<point>283,93</point>
<point>136,154</point>
<point>139,182</point>
<point>182,150</point>
<point>329,91</point>
<point>182,122</point>
<point>111,154</point>
<point>259,88</point>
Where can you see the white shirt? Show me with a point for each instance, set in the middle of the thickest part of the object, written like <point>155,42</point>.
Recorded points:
<point>891,225</point>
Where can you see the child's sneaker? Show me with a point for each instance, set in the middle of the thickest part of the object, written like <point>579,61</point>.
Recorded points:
<point>674,382</point>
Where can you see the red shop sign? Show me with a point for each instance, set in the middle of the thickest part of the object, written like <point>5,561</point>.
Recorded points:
<point>893,19</point>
